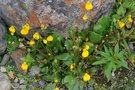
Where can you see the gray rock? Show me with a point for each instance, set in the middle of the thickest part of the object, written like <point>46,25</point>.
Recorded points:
<point>22,86</point>
<point>35,84</point>
<point>57,14</point>
<point>4,60</point>
<point>15,85</point>
<point>34,70</point>
<point>5,83</point>
<point>3,43</point>
<point>22,81</point>
<point>42,83</point>
<point>3,69</point>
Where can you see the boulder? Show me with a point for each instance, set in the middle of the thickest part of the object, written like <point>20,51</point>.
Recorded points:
<point>5,83</point>
<point>56,14</point>
<point>3,43</point>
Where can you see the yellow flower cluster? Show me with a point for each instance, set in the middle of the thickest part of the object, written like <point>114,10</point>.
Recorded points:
<point>56,88</point>
<point>85,52</point>
<point>24,66</point>
<point>25,29</point>
<point>12,30</point>
<point>88,7</point>
<point>86,77</point>
<point>121,24</point>
<point>49,39</point>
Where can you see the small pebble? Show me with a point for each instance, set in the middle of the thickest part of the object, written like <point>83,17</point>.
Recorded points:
<point>90,88</point>
<point>22,86</point>
<point>22,81</point>
<point>34,70</point>
<point>42,83</point>
<point>3,69</point>
<point>16,80</point>
<point>35,84</point>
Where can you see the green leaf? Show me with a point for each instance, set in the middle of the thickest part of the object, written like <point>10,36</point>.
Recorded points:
<point>121,10</point>
<point>99,62</point>
<point>68,44</point>
<point>50,86</point>
<point>102,25</point>
<point>108,69</point>
<point>116,49</point>
<point>28,58</point>
<point>64,56</point>
<point>48,78</point>
<point>94,37</point>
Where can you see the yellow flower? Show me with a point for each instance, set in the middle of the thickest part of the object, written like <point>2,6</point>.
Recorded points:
<point>86,77</point>
<point>50,38</point>
<point>31,42</point>
<point>88,5</point>
<point>26,27</point>
<point>121,24</point>
<point>24,31</point>
<point>36,36</point>
<point>45,41</point>
<point>85,53</point>
<point>24,66</point>
<point>72,67</point>
<point>12,30</point>
<point>87,47</point>
<point>130,18</point>
<point>85,17</point>
<point>56,81</point>
<point>56,88</point>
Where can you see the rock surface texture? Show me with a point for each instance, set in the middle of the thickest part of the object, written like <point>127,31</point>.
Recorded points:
<point>57,14</point>
<point>5,83</point>
<point>3,43</point>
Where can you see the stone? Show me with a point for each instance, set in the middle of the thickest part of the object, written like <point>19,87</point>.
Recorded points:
<point>56,14</point>
<point>16,80</point>
<point>22,86</point>
<point>35,84</point>
<point>11,75</point>
<point>3,69</point>
<point>16,56</point>
<point>5,83</point>
<point>22,81</point>
<point>15,86</point>
<point>34,70</point>
<point>4,59</point>
<point>3,43</point>
<point>42,83</point>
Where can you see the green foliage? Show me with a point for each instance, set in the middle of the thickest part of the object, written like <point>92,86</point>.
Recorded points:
<point>62,57</point>
<point>72,83</point>
<point>111,60</point>
<point>28,58</point>
<point>12,43</point>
